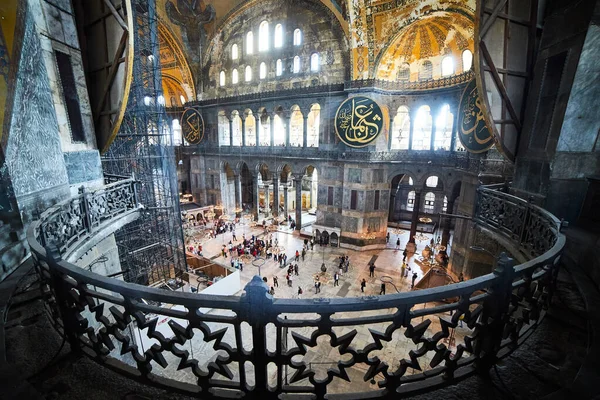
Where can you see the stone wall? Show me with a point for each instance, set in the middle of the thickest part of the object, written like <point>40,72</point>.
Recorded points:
<point>321,33</point>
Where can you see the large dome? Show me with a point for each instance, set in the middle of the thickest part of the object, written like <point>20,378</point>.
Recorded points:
<point>429,38</point>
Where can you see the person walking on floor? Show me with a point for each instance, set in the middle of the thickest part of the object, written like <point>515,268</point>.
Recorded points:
<point>362,285</point>
<point>404,253</point>
<point>272,291</point>
<point>296,269</point>
<point>382,291</point>
<point>319,287</point>
<point>397,243</point>
<point>387,237</point>
<point>414,278</point>
<point>403,269</point>
<point>336,279</point>
<point>297,255</point>
<point>303,253</point>
<point>234,237</point>
<point>299,291</point>
<point>372,270</point>
<point>275,283</point>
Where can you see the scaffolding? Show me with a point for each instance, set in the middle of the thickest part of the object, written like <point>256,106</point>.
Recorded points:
<point>151,248</point>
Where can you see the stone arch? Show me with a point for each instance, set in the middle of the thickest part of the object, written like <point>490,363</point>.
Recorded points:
<point>423,181</point>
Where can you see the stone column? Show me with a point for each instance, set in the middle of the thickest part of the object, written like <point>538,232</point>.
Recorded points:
<point>390,133</point>
<point>289,131</point>
<point>434,117</point>
<point>446,230</point>
<point>411,246</point>
<point>256,197</point>
<point>244,132</point>
<point>272,128</point>
<point>298,182</point>
<point>413,117</point>
<point>230,131</point>
<point>305,132</point>
<point>275,210</point>
<point>267,207</point>
<point>311,193</point>
<point>285,202</point>
<point>237,182</point>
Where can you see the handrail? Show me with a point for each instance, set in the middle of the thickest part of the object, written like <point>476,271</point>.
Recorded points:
<point>98,313</point>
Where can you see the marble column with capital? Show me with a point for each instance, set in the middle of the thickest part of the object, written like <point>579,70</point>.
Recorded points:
<point>446,230</point>
<point>275,209</point>
<point>414,222</point>
<point>285,202</point>
<point>411,131</point>
<point>256,196</point>
<point>288,132</point>
<point>272,129</point>
<point>267,200</point>
<point>244,132</point>
<point>298,182</point>
<point>305,132</point>
<point>237,181</point>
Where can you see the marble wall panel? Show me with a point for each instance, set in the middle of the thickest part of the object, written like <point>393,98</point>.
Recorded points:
<point>83,166</point>
<point>33,152</point>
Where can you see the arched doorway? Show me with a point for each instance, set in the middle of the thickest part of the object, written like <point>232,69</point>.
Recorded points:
<point>400,210</point>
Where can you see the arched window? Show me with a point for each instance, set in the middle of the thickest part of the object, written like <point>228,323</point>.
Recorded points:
<point>297,37</point>
<point>467,60</point>
<point>426,71</point>
<point>278,40</point>
<point>296,127</point>
<point>443,129</point>
<point>172,102</point>
<point>401,129</point>
<point>296,64</point>
<point>182,99</point>
<point>248,74</point>
<point>263,36</point>
<point>250,129</point>
<point>314,62</point>
<point>250,43</point>
<point>410,181</point>
<point>404,73</point>
<point>263,70</point>
<point>236,128</point>
<point>177,139</point>
<point>223,129</point>
<point>429,203</point>
<point>278,68</point>
<point>234,77</point>
<point>445,206</point>
<point>264,129</point>
<point>222,78</point>
<point>410,202</point>
<point>278,131</point>
<point>447,66</point>
<point>422,131</point>
<point>313,125</point>
<point>234,52</point>
<point>432,181</point>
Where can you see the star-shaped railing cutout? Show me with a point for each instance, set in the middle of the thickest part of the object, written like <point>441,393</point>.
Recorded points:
<point>302,372</point>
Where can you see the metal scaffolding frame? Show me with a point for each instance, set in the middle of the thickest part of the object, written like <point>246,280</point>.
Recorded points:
<point>151,248</point>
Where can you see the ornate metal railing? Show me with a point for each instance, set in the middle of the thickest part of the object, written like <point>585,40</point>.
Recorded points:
<point>460,160</point>
<point>444,82</point>
<point>79,217</point>
<point>264,347</point>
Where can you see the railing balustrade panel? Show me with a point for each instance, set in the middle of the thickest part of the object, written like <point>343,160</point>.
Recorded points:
<point>255,346</point>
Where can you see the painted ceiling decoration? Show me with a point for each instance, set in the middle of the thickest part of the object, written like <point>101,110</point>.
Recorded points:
<point>436,35</point>
<point>374,22</point>
<point>177,76</point>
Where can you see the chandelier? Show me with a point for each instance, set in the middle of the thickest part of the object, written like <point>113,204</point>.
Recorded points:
<point>425,220</point>
<point>420,237</point>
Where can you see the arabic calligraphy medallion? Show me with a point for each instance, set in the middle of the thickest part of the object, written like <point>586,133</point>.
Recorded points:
<point>192,126</point>
<point>472,129</point>
<point>358,121</point>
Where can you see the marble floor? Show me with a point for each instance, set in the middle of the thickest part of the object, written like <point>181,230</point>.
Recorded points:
<point>324,356</point>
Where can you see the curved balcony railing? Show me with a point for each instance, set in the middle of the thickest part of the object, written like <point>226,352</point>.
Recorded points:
<point>460,160</point>
<point>265,347</point>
